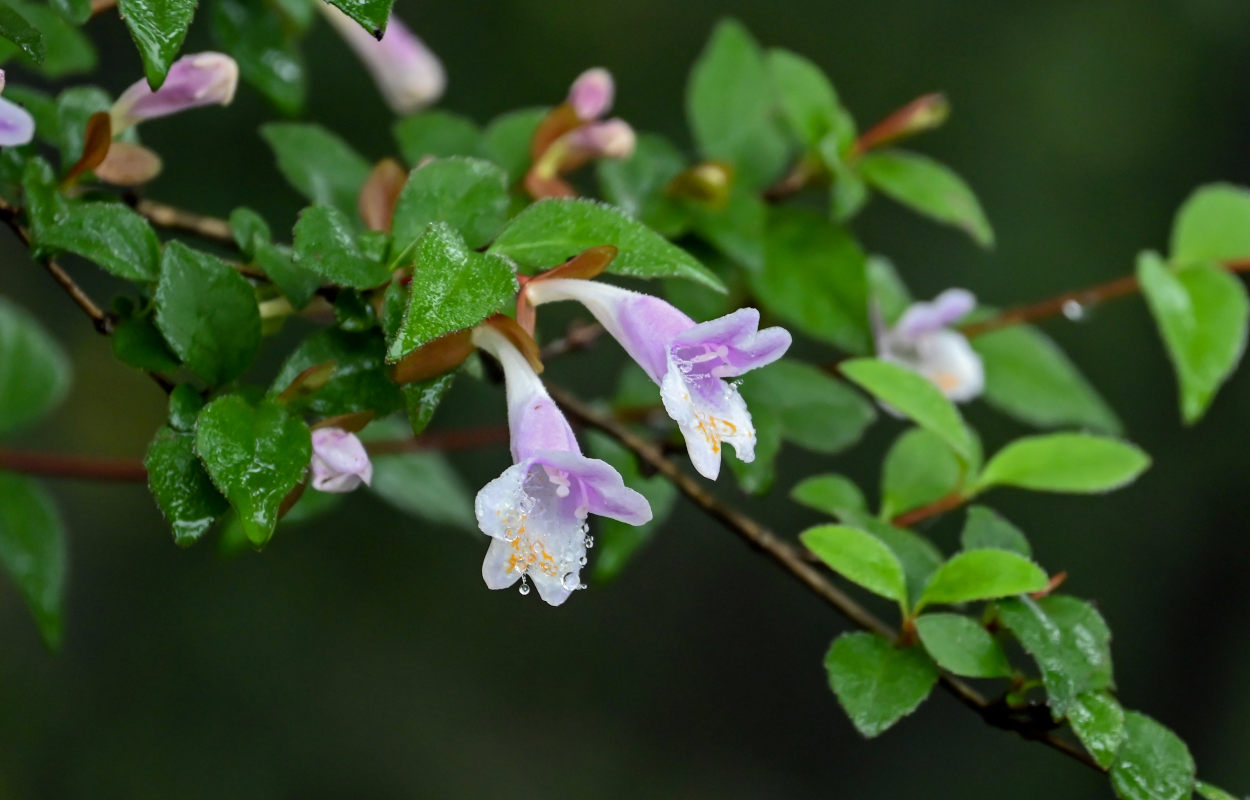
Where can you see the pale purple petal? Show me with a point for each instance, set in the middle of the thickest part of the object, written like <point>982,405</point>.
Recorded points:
<point>339,461</point>
<point>730,345</point>
<point>196,80</point>
<point>613,138</point>
<point>17,126</point>
<point>592,93</point>
<point>409,75</point>
<point>946,308</point>
<point>499,568</point>
<point>604,491</point>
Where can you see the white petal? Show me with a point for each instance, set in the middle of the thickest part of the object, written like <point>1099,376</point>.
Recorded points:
<point>947,359</point>
<point>705,425</point>
<point>498,503</point>
<point>498,568</point>
<point>554,589</point>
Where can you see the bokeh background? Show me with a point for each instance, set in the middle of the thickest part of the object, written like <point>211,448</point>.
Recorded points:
<point>362,657</point>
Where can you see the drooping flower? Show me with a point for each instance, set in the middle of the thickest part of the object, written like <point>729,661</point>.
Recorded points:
<point>339,461</point>
<point>536,511</point>
<point>922,340</point>
<point>407,72</point>
<point>201,79</point>
<point>17,126</point>
<point>690,361</point>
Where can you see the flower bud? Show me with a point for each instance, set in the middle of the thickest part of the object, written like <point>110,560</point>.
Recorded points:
<point>339,461</point>
<point>920,115</point>
<point>591,94</point>
<point>202,79</point>
<point>407,72</point>
<point>613,138</point>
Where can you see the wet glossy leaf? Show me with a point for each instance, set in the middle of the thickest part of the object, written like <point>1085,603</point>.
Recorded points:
<point>33,550</point>
<point>860,558</point>
<point>319,164</point>
<point>269,59</point>
<point>181,487</point>
<point>67,50</point>
<point>1069,641</point>
<point>1152,764</point>
<point>1098,721</point>
<point>17,29</point>
<point>982,575</point>
<point>296,281</point>
<point>914,397</point>
<point>469,194</point>
<point>325,244</point>
<point>436,134</point>
<point>138,342</point>
<point>985,528</point>
<point>422,399</point>
<point>960,645</point>
<point>34,371</point>
<point>616,543</point>
<point>832,494</point>
<point>919,468</point>
<point>929,188</point>
<point>109,234</point>
<point>360,381</point>
<point>877,683</point>
<point>158,28</point>
<point>1064,462</point>
<point>1213,224</point>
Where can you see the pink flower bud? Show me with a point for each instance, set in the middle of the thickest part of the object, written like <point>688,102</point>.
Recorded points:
<point>613,138</point>
<point>591,94</point>
<point>202,79</point>
<point>407,72</point>
<point>339,461</point>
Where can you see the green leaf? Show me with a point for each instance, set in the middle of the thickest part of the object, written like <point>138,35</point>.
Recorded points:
<point>181,487</point>
<point>1028,377</point>
<point>506,140</point>
<point>109,234</point>
<point>914,397</point>
<point>959,645</point>
<point>1213,224</point>
<point>551,231</point>
<point>919,557</point>
<point>1202,314</point>
<point>860,558</point>
<point>138,342</point>
<point>297,282</point>
<point>1069,641</point>
<point>249,230</point>
<point>422,399</point>
<point>816,411</point>
<point>15,28</point>
<point>730,106</point>
<point>877,683</point>
<point>74,107</point>
<point>255,455</point>
<point>360,381</point>
<point>32,550</point>
<point>269,59</point>
<point>832,494</point>
<point>814,278</point>
<point>736,228</point>
<point>46,208</point>
<point>1064,462</point>
<point>421,483</point>
<point>468,194</point>
<point>436,134</point>
<point>158,28</point>
<point>185,404</point>
<point>34,371</point>
<point>1098,721</point>
<point>930,188</point>
<point>1209,792</point>
<point>808,101</point>
<point>207,313</point>
<point>918,469</point>
<point>1153,763</point>
<point>320,165</point>
<point>371,14</point>
<point>452,288</point>
<point>985,528</point>
<point>638,185</point>
<point>67,50</point>
<point>326,245</point>
<point>616,543</point>
<point>982,575</point>
<point>76,11</point>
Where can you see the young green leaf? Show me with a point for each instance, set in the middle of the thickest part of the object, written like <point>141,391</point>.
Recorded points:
<point>469,194</point>
<point>877,683</point>
<point>1152,764</point>
<point>1213,224</point>
<point>158,28</point>
<point>436,134</point>
<point>616,543</point>
<point>506,140</point>
<point>859,557</point>
<point>111,235</point>
<point>918,469</point>
<point>919,557</point>
<point>1069,641</point>
<point>960,645</point>
<point>255,454</point>
<point>326,245</point>
<point>1028,377</point>
<point>1064,462</point>
<point>928,187</point>
<point>45,205</point>
<point>452,288</point>
<point>268,57</point>
<point>808,101</point>
<point>1202,313</point>
<point>181,487</point>
<point>730,106</point>
<point>985,528</point>
<point>1098,721</point>
<point>360,381</point>
<point>551,231</point>
<point>34,371</point>
<point>832,494</point>
<point>914,397</point>
<point>32,550</point>
<point>370,14</point>
<point>207,313</point>
<point>320,165</point>
<point>16,28</point>
<point>982,575</point>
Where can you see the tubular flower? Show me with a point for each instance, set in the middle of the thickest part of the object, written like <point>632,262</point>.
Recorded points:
<point>923,341</point>
<point>689,361</point>
<point>202,79</point>
<point>407,72</point>
<point>535,512</point>
<point>17,126</point>
<point>339,461</point>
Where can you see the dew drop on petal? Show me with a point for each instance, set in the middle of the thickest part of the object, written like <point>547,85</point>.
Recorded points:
<point>524,588</point>
<point>583,560</point>
<point>569,582</point>
<point>589,542</point>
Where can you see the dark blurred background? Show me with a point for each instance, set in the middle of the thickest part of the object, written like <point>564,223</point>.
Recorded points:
<point>362,657</point>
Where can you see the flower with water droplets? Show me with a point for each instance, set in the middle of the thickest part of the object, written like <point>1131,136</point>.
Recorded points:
<point>339,461</point>
<point>201,79</point>
<point>17,126</point>
<point>536,511</point>
<point>407,72</point>
<point>690,361</point>
<point>923,341</point>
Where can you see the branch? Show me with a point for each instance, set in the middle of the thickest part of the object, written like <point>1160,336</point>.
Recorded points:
<point>65,465</point>
<point>168,216</point>
<point>792,560</point>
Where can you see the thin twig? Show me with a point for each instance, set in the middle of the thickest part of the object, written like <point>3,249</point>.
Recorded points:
<point>168,216</point>
<point>947,502</point>
<point>65,465</point>
<point>578,337</point>
<point>793,561</point>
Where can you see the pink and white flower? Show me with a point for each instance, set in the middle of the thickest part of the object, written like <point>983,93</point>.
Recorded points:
<point>922,340</point>
<point>339,461</point>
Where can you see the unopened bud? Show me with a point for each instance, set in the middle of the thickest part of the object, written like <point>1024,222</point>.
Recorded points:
<point>920,115</point>
<point>592,93</point>
<point>407,72</point>
<point>613,138</point>
<point>709,183</point>
<point>202,79</point>
<point>339,461</point>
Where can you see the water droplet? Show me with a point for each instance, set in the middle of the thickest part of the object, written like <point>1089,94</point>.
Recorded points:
<point>589,542</point>
<point>1073,310</point>
<point>524,588</point>
<point>569,582</point>
<point>583,560</point>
